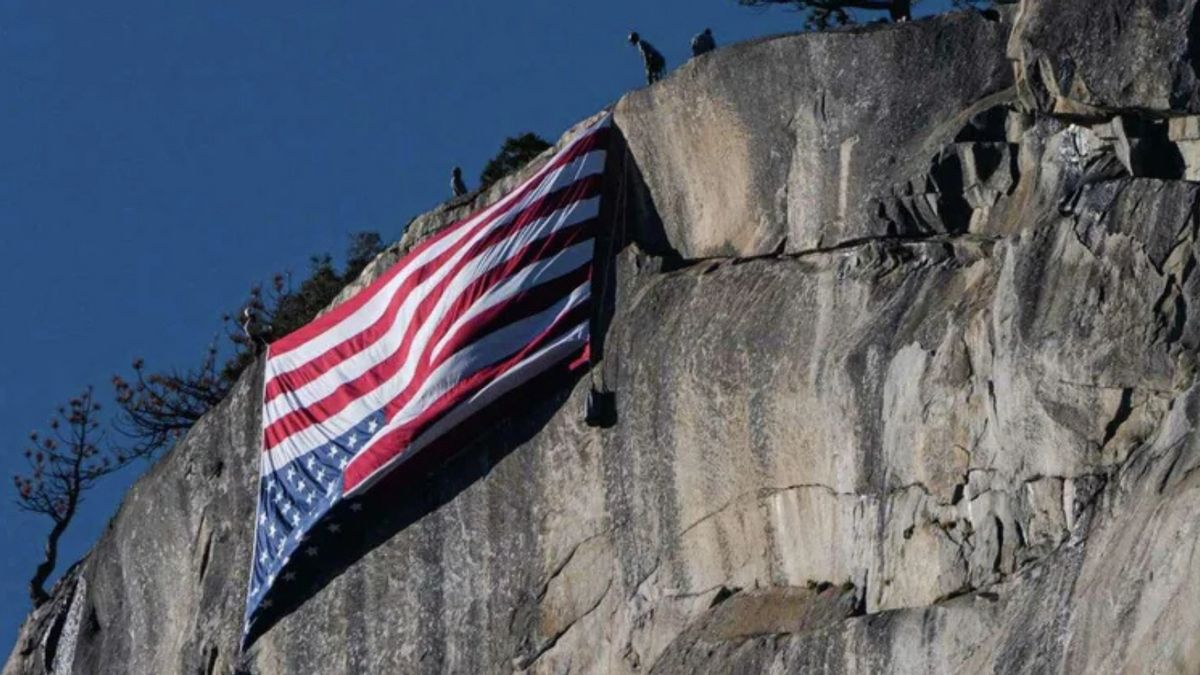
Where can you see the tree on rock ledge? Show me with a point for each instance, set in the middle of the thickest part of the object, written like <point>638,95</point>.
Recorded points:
<point>516,152</point>
<point>822,14</point>
<point>63,464</point>
<point>157,408</point>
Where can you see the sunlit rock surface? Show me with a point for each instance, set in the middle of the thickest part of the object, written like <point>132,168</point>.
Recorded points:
<point>905,369</point>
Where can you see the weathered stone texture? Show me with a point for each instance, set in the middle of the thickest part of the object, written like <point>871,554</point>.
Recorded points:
<point>795,143</point>
<point>1098,56</point>
<point>940,419</point>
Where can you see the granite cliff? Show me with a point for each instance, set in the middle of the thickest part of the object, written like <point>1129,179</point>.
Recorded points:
<point>904,354</point>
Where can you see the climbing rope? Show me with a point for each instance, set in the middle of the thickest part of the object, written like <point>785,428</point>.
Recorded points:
<point>601,404</point>
<point>616,239</point>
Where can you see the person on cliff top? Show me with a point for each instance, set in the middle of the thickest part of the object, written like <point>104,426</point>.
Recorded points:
<point>252,330</point>
<point>457,187</point>
<point>655,63</point>
<point>703,43</point>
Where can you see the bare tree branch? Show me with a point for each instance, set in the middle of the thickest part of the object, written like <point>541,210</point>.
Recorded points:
<point>62,465</point>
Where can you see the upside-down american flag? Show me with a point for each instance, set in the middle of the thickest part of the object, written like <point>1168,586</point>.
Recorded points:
<point>479,309</point>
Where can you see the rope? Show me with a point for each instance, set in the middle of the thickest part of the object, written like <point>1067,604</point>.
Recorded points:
<point>619,230</point>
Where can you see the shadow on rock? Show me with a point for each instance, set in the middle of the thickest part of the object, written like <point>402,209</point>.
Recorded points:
<point>456,461</point>
<point>433,478</point>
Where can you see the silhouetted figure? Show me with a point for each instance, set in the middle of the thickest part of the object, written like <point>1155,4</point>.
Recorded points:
<point>457,186</point>
<point>252,330</point>
<point>655,63</point>
<point>703,43</point>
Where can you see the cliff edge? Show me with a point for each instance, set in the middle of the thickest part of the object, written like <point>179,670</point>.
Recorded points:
<point>906,381</point>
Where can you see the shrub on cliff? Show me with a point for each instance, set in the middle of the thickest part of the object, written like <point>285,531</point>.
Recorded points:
<point>157,408</point>
<point>822,14</point>
<point>515,152</point>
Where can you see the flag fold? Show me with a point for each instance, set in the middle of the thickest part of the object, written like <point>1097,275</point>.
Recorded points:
<point>484,306</point>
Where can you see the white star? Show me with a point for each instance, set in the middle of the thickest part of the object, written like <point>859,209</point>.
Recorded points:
<point>271,531</point>
<point>309,499</point>
<point>262,519</point>
<point>321,475</point>
<point>263,558</point>
<point>298,535</point>
<point>287,506</point>
<point>353,440</point>
<point>310,551</point>
<point>301,486</point>
<point>335,528</point>
<point>295,519</point>
<point>266,604</point>
<point>372,426</point>
<point>330,489</point>
<point>356,507</point>
<point>291,473</point>
<point>270,579</point>
<point>254,590</point>
<point>333,451</point>
<point>344,463</point>
<point>312,461</point>
<point>290,576</point>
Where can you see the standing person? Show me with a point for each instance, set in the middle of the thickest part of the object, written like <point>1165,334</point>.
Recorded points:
<point>653,59</point>
<point>457,187</point>
<point>252,329</point>
<point>703,43</point>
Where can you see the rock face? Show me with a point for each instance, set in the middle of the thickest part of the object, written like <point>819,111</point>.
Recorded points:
<point>1106,55</point>
<point>794,144</point>
<point>906,381</point>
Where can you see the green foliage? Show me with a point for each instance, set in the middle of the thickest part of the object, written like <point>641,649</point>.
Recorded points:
<point>157,408</point>
<point>515,152</point>
<point>364,247</point>
<point>283,310</point>
<point>823,14</point>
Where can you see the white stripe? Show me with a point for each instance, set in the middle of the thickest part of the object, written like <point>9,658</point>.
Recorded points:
<point>530,276</point>
<point>490,346</point>
<point>389,343</point>
<point>562,348</point>
<point>586,165</point>
<point>484,352</point>
<point>522,372</point>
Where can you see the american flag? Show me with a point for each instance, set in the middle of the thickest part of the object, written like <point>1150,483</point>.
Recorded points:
<point>486,305</point>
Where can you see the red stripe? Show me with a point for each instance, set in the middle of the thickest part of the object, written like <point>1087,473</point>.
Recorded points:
<point>568,319</point>
<point>346,393</point>
<point>598,139</point>
<point>395,442</point>
<point>477,425</point>
<point>295,379</point>
<point>522,305</point>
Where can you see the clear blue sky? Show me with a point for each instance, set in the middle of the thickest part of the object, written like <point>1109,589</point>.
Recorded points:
<point>160,157</point>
